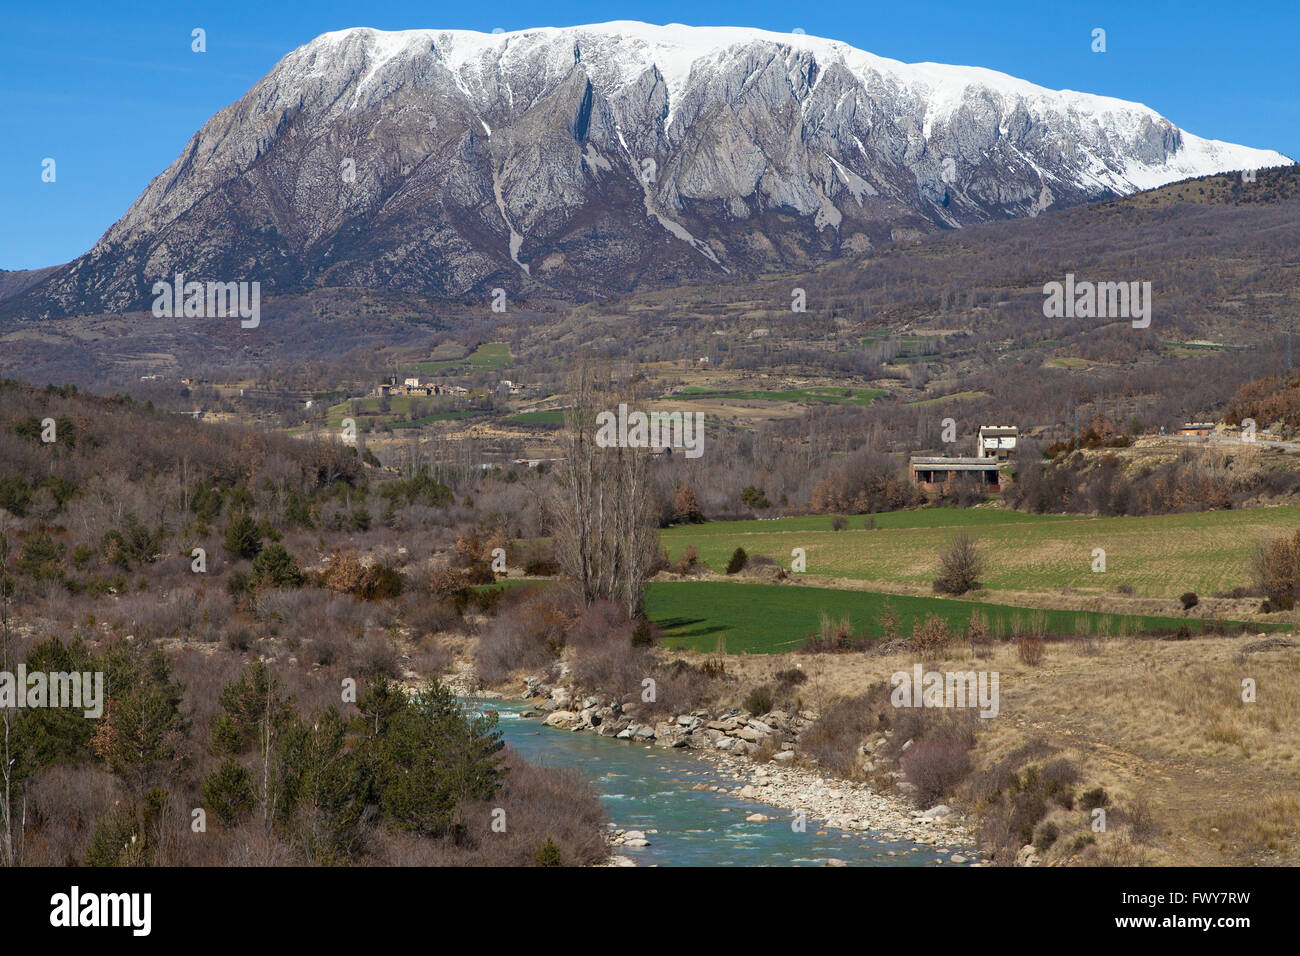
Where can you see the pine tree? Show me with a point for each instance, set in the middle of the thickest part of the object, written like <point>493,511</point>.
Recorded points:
<point>242,538</point>
<point>275,567</point>
<point>425,756</point>
<point>228,792</point>
<point>548,854</point>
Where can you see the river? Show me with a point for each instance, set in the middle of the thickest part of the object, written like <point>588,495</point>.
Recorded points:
<point>654,789</point>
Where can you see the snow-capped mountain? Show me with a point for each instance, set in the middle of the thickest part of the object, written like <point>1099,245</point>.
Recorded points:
<point>589,158</point>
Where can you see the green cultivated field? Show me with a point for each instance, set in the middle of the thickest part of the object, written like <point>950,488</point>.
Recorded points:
<point>1160,556</point>
<point>772,618</point>
<point>490,355</point>
<point>550,416</point>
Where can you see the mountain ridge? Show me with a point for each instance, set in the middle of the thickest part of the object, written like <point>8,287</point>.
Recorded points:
<point>587,160</point>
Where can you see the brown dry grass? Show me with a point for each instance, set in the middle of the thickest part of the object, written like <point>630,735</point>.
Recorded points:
<point>1161,725</point>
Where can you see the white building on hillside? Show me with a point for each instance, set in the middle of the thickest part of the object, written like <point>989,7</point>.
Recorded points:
<point>997,441</point>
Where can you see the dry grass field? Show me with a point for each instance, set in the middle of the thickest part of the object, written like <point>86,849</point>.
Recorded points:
<point>1159,556</point>
<point>1193,774</point>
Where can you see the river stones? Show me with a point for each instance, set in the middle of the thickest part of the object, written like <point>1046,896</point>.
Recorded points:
<point>563,719</point>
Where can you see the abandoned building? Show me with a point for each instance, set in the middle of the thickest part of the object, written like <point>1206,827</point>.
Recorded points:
<point>930,472</point>
<point>996,441</point>
<point>994,445</point>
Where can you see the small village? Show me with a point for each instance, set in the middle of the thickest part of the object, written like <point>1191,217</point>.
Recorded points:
<point>413,385</point>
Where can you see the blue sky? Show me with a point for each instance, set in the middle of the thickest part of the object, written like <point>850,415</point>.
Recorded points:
<point>112,91</point>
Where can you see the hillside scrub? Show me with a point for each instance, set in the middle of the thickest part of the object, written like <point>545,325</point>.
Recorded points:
<point>266,748</point>
<point>227,580</point>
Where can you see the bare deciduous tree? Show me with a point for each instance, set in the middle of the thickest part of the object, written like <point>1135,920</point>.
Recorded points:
<point>960,565</point>
<point>604,517</point>
<point>11,854</point>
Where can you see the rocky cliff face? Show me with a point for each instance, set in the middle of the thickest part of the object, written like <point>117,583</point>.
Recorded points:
<point>586,160</point>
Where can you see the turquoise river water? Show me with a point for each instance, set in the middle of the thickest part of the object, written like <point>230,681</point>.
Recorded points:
<point>652,789</point>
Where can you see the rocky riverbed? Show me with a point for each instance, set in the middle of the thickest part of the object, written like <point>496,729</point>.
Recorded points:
<point>761,752</point>
<point>845,805</point>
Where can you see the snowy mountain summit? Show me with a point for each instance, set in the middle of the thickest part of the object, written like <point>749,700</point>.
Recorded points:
<point>588,159</point>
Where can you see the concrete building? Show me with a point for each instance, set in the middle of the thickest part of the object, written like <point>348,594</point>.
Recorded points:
<point>930,471</point>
